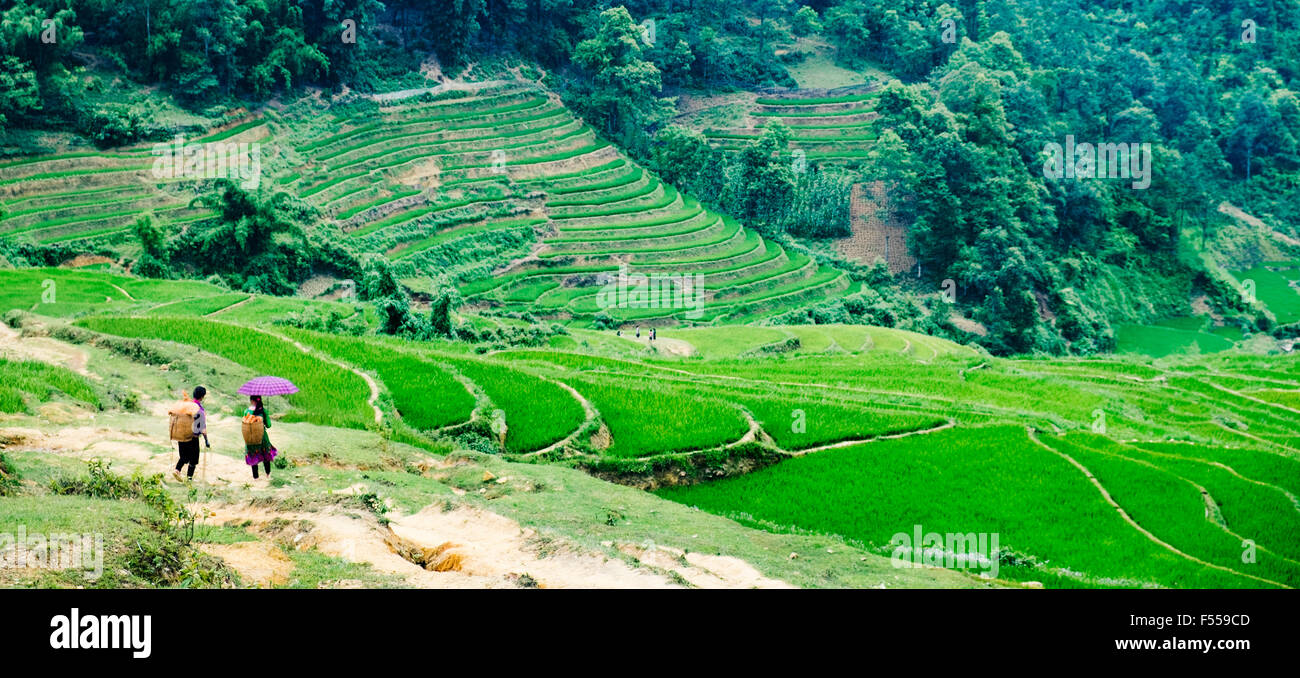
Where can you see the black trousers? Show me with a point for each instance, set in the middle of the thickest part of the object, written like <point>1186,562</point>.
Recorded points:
<point>189,455</point>
<point>267,464</point>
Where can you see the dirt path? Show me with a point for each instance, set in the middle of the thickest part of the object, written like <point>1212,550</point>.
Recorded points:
<point>847,443</point>
<point>1133,523</point>
<point>223,309</point>
<point>259,563</point>
<point>149,451</point>
<point>386,97</point>
<point>1247,396</point>
<point>124,292</point>
<point>468,548</point>
<point>675,347</point>
<point>43,349</point>
<point>751,435</point>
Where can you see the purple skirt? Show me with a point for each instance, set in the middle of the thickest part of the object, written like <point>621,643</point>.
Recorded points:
<point>256,454</point>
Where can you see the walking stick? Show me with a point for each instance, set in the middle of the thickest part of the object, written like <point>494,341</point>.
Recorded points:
<point>206,452</point>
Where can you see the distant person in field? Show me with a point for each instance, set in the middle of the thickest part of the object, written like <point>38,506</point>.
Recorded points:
<point>638,331</point>
<point>189,449</point>
<point>652,334</point>
<point>263,452</point>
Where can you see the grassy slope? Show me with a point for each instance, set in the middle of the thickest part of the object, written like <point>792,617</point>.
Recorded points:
<point>850,384</point>
<point>561,504</point>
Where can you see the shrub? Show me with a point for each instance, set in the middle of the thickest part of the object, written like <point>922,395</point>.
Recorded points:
<point>9,479</point>
<point>330,321</point>
<point>806,22</point>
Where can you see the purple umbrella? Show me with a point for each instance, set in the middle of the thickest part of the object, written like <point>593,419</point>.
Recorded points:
<point>268,386</point>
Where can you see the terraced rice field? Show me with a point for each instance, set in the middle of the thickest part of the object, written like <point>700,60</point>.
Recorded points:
<point>829,129</point>
<point>70,293</point>
<point>91,197</point>
<point>423,180</point>
<point>514,158</point>
<point>1097,472</point>
<point>329,394</point>
<point>1053,524</point>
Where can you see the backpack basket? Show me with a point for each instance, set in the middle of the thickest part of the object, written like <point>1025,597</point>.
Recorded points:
<point>181,426</point>
<point>254,430</point>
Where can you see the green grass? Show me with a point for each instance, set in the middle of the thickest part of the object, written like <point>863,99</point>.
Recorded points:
<point>814,101</point>
<point>452,234</point>
<point>563,176</point>
<point>123,525</point>
<point>537,159</point>
<point>691,210</point>
<point>328,394</point>
<point>647,417</point>
<point>650,187</point>
<point>199,306</point>
<point>532,103</point>
<point>710,221</point>
<point>819,71</point>
<point>630,177</point>
<point>1274,291</point>
<point>266,310</point>
<point>810,114</point>
<point>25,383</point>
<point>733,228</point>
<point>408,215</point>
<point>1265,467</point>
<point>233,131</point>
<point>359,165</point>
<point>73,173</point>
<point>425,395</point>
<point>991,480</point>
<point>717,342</point>
<point>317,188</point>
<point>796,424</point>
<point>669,197</point>
<point>387,140</point>
<point>984,474</point>
<point>537,412</point>
<point>394,197</point>
<point>1172,507</point>
<point>1158,341</point>
<point>61,292</point>
<point>531,290</point>
<point>427,148</point>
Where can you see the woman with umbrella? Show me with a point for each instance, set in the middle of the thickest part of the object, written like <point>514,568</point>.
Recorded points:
<point>262,452</point>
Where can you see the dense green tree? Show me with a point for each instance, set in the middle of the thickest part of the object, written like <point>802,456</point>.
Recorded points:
<point>681,156</point>
<point>622,94</point>
<point>34,55</point>
<point>846,26</point>
<point>155,252</point>
<point>452,26</point>
<point>441,309</point>
<point>806,22</point>
<point>256,242</point>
